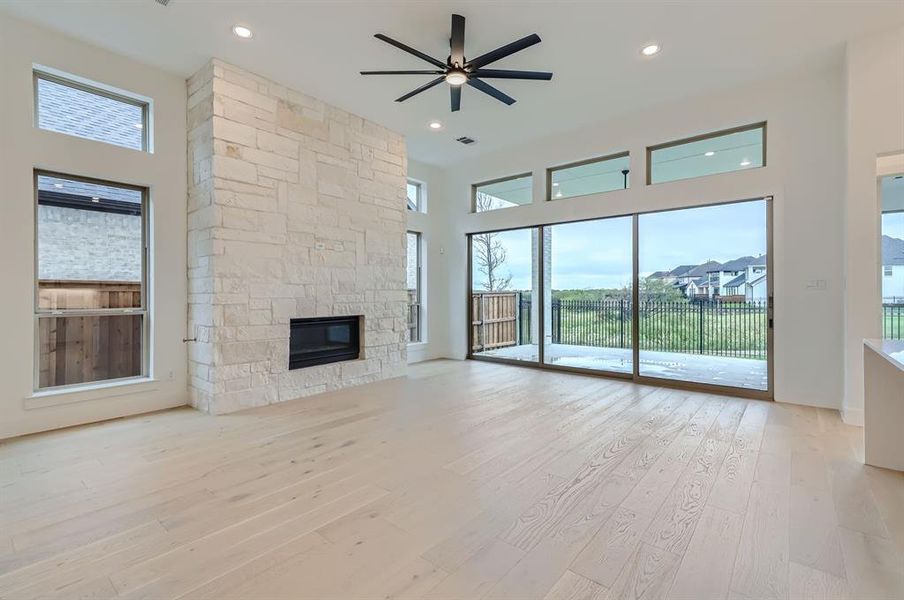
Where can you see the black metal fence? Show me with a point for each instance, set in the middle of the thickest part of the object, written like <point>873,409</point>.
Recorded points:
<point>893,320</point>
<point>731,329</point>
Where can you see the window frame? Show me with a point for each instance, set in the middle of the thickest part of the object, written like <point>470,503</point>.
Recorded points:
<point>91,87</point>
<point>419,296</point>
<point>43,313</point>
<point>581,163</point>
<point>419,201</point>
<point>474,187</point>
<point>698,138</point>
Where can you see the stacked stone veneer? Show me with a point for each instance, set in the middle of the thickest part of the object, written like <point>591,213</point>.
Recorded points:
<point>296,209</point>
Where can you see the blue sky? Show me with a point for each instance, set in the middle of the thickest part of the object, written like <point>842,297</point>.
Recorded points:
<point>597,254</point>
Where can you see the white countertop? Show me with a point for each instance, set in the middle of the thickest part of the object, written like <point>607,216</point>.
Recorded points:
<point>891,350</point>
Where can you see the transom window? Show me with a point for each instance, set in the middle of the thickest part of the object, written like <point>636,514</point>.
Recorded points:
<point>89,111</point>
<point>503,193</point>
<point>587,177</point>
<point>720,152</point>
<point>91,297</point>
<point>415,193</point>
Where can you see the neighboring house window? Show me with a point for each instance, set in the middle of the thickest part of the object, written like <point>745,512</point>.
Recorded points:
<point>502,193</point>
<point>587,177</point>
<point>87,110</point>
<point>413,269</point>
<point>720,152</point>
<point>888,272</point>
<point>415,196</point>
<point>91,294</point>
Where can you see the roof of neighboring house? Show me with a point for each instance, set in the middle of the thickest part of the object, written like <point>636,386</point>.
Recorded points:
<point>657,275</point>
<point>739,264</point>
<point>756,280</point>
<point>739,280</point>
<point>892,251</point>
<point>681,270</point>
<point>700,270</point>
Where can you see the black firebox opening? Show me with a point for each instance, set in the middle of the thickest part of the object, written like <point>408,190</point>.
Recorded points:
<point>323,340</point>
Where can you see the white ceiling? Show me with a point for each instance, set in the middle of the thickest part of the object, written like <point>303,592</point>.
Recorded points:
<point>592,47</point>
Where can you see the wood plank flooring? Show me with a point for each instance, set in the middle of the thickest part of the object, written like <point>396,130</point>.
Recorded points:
<point>463,480</point>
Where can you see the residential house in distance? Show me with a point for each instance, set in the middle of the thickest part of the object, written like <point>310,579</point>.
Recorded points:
<point>731,278</point>
<point>742,279</point>
<point>892,270</point>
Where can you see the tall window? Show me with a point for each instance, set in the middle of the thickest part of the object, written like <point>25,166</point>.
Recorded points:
<point>414,287</point>
<point>415,196</point>
<point>503,193</point>
<point>91,296</point>
<point>87,110</point>
<point>891,190</point>
<point>720,152</point>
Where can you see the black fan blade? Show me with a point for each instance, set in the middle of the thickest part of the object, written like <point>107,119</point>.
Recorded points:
<point>402,72</point>
<point>457,41</point>
<point>455,95</point>
<point>410,50</point>
<point>486,88</point>
<point>506,74</point>
<point>426,86</point>
<point>494,55</point>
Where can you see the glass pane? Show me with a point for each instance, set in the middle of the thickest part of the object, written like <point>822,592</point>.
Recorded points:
<point>590,178</point>
<point>892,192</point>
<point>414,293</point>
<point>717,154</point>
<point>414,196</point>
<point>91,348</point>
<point>89,245</point>
<point>503,194</point>
<point>504,301</point>
<point>588,268</point>
<point>703,296</point>
<point>91,115</point>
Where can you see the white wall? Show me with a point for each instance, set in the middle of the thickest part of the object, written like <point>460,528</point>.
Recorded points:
<point>875,127</point>
<point>434,239</point>
<point>805,114</point>
<point>24,148</point>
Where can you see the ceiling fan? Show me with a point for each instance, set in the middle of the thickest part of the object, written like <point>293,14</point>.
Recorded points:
<point>457,70</point>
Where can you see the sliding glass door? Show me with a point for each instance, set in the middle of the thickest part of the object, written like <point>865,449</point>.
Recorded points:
<point>680,296</point>
<point>703,294</point>
<point>504,300</point>
<point>587,295</point>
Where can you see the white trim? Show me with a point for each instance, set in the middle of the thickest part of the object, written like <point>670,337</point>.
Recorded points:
<point>90,391</point>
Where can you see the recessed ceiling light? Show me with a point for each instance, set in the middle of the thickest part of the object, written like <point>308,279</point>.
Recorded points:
<point>435,125</point>
<point>242,32</point>
<point>95,199</point>
<point>710,153</point>
<point>745,163</point>
<point>651,49</point>
<point>58,185</point>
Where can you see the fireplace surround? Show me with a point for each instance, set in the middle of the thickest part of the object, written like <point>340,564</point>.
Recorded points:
<point>322,340</point>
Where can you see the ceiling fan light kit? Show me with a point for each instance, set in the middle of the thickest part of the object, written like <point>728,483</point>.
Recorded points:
<point>457,71</point>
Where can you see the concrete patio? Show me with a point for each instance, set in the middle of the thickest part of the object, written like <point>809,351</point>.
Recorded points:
<point>718,370</point>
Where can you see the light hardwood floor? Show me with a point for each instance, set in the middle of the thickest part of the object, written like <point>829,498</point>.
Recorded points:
<point>463,480</point>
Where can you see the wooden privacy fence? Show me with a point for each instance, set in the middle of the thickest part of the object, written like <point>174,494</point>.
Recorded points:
<point>75,348</point>
<point>494,320</point>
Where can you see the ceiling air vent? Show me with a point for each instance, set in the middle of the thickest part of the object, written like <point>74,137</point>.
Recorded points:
<point>465,140</point>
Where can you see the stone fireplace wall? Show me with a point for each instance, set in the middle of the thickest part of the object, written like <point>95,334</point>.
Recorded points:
<point>296,209</point>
